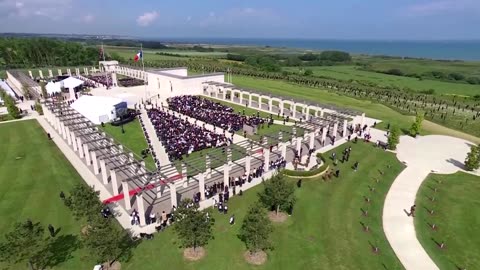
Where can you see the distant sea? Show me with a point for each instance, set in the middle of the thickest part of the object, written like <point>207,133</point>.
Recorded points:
<point>447,50</point>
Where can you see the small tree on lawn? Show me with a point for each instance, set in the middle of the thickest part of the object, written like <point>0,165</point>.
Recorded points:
<point>394,138</point>
<point>84,202</point>
<point>44,90</point>
<point>278,194</point>
<point>26,91</point>
<point>38,108</point>
<point>192,226</point>
<point>105,241</point>
<point>472,162</point>
<point>25,243</point>
<point>417,125</point>
<point>256,229</point>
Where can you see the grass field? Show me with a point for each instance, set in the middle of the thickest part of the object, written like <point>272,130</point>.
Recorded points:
<point>371,109</point>
<point>456,216</point>
<point>353,73</point>
<point>33,172</point>
<point>151,55</point>
<point>133,140</point>
<point>324,231</point>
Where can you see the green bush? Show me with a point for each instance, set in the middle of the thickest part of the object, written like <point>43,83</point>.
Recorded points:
<point>310,172</point>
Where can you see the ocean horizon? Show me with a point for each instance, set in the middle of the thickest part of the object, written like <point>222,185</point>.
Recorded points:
<point>467,50</point>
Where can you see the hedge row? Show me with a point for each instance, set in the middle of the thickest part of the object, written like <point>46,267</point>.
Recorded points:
<point>310,172</point>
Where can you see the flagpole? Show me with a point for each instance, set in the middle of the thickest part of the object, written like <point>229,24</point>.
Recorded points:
<point>144,75</point>
<point>103,56</point>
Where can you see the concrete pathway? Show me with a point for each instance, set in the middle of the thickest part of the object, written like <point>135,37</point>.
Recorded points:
<point>423,155</point>
<point>156,144</point>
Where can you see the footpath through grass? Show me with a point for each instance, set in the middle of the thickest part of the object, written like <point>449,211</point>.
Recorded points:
<point>456,215</point>
<point>33,171</point>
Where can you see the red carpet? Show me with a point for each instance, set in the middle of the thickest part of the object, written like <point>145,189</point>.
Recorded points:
<point>137,190</point>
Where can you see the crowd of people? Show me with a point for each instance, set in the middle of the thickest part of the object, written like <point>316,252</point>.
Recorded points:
<point>104,79</point>
<point>212,112</point>
<point>129,82</point>
<point>180,137</point>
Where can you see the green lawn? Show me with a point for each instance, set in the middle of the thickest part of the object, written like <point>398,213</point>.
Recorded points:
<point>325,231</point>
<point>132,140</point>
<point>457,218</point>
<point>371,109</point>
<point>33,172</point>
<point>355,74</point>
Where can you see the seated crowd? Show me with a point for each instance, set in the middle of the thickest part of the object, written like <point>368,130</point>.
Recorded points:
<point>212,112</point>
<point>102,78</point>
<point>180,137</point>
<point>129,82</point>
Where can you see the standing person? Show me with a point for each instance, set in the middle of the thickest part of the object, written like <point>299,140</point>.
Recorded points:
<point>412,210</point>
<point>51,229</point>
<point>232,220</point>
<point>337,173</point>
<point>355,166</point>
<point>299,183</point>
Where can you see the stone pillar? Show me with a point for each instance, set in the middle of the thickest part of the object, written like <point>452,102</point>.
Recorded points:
<point>335,129</point>
<point>86,71</point>
<point>248,161</point>
<point>74,141</point>
<point>201,185</point>
<point>250,100</point>
<point>69,135</point>
<point>87,154</point>
<point>184,175</point>
<point>231,95</point>
<point>80,147</point>
<point>30,74</point>
<point>126,195</point>
<point>280,105</point>
<point>77,71</point>
<point>241,97</point>
<point>103,168</point>
<point>95,162</point>
<point>141,209</point>
<point>321,113</point>
<point>312,140</point>
<point>284,150</point>
<point>207,165</point>
<point>270,104</point>
<point>114,181</point>
<point>57,125</point>
<point>40,73</point>
<point>363,120</point>
<point>299,144</point>
<point>345,123</point>
<point>224,94</point>
<point>50,73</point>
<point>324,134</point>
<point>226,173</point>
<point>64,132</point>
<point>266,158</point>
<point>69,72</point>
<point>173,194</point>
<point>59,72</point>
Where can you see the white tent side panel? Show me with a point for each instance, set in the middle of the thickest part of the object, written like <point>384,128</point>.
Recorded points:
<point>96,108</point>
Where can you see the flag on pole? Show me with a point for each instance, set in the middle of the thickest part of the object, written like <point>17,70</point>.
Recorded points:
<point>138,56</point>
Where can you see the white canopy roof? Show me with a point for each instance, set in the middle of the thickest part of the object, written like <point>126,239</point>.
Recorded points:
<point>71,82</point>
<point>53,88</point>
<point>97,109</point>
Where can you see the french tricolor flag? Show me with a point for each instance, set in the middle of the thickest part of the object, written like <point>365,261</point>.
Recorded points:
<point>138,56</point>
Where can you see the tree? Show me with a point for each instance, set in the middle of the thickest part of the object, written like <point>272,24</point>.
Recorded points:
<point>256,229</point>
<point>9,102</point>
<point>417,125</point>
<point>38,108</point>
<point>308,72</point>
<point>394,138</point>
<point>192,226</point>
<point>25,243</point>
<point>278,193</point>
<point>84,202</point>
<point>472,162</point>
<point>26,91</point>
<point>106,241</point>
<point>44,90</point>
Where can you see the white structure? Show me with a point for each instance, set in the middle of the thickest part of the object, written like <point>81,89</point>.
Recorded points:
<point>99,109</point>
<point>71,83</point>
<point>53,88</point>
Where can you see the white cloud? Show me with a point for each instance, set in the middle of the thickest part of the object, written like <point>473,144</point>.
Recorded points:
<point>147,18</point>
<point>89,18</point>
<point>53,9</point>
<point>436,7</point>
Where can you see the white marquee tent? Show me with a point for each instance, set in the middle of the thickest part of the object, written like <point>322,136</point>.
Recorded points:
<point>99,109</point>
<point>53,87</point>
<point>71,82</point>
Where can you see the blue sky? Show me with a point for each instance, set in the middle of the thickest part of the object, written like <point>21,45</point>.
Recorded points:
<point>315,19</point>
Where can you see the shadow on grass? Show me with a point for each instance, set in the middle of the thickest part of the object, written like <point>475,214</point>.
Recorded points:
<point>60,249</point>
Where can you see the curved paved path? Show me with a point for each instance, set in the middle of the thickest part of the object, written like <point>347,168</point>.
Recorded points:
<point>423,155</point>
